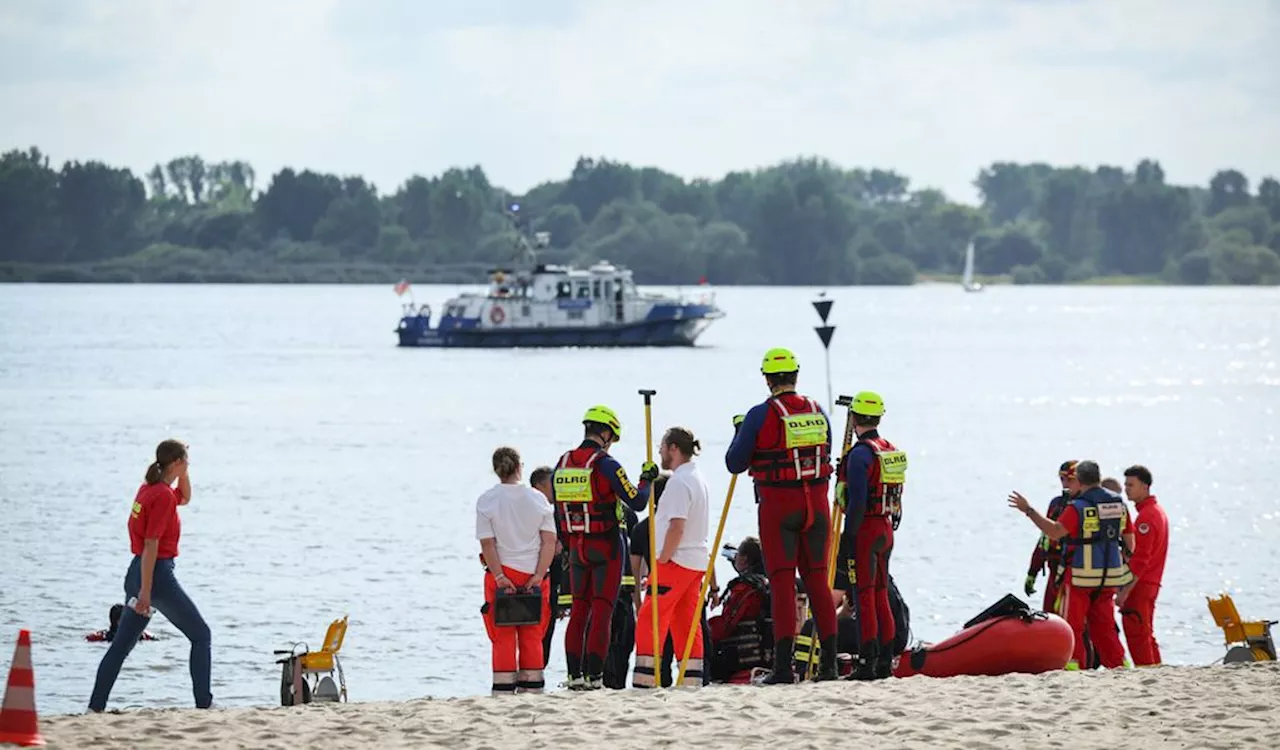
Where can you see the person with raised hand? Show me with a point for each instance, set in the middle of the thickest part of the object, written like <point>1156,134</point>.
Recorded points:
<point>154,531</point>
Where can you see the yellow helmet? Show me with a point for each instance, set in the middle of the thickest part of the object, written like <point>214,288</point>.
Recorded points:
<point>867,404</point>
<point>604,415</point>
<point>779,360</point>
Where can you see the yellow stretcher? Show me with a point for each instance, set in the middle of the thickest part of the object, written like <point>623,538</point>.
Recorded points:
<point>1246,641</point>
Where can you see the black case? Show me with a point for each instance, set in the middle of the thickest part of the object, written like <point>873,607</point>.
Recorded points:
<point>520,608</point>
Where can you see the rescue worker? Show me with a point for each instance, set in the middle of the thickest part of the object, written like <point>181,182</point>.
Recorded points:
<point>516,531</point>
<point>681,524</point>
<point>1052,555</point>
<point>1047,556</point>
<point>785,444</point>
<point>1095,529</point>
<point>622,633</point>
<point>113,618</point>
<point>638,538</point>
<point>1137,601</point>
<point>873,475</point>
<point>742,634</point>
<point>589,485</point>
<point>560,599</point>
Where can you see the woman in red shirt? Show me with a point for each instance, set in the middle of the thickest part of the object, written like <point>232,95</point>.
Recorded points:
<point>154,529</point>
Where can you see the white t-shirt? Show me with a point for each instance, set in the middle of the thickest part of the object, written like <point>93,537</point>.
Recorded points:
<point>515,515</point>
<point>686,496</point>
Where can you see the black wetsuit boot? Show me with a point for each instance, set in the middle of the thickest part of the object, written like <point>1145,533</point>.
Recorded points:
<point>868,653</point>
<point>594,677</point>
<point>884,662</point>
<point>574,667</point>
<point>782,656</point>
<point>827,667</point>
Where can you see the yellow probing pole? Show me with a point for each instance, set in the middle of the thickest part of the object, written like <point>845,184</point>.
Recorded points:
<point>837,507</point>
<point>653,537</point>
<point>833,535</point>
<point>706,582</point>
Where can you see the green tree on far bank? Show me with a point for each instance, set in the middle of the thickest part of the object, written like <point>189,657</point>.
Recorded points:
<point>805,221</point>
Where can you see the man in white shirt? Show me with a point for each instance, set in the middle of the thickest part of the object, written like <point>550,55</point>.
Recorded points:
<point>681,525</point>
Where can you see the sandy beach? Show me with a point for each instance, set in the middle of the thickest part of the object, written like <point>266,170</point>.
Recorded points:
<point>1169,707</point>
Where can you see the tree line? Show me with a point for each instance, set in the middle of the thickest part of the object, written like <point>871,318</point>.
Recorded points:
<point>800,222</point>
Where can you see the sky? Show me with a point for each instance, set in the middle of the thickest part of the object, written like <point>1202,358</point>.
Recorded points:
<point>934,89</point>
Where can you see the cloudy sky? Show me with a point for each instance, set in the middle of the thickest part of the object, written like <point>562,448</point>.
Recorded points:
<point>387,88</point>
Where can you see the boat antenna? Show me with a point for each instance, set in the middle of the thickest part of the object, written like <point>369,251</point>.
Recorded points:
<point>522,249</point>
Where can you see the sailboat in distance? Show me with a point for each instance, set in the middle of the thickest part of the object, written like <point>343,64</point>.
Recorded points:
<point>967,281</point>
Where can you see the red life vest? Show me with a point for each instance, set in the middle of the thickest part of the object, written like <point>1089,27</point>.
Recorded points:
<point>599,514</point>
<point>1053,549</point>
<point>780,466</point>
<point>884,498</point>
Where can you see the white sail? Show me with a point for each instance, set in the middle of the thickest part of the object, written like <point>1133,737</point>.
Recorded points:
<point>967,280</point>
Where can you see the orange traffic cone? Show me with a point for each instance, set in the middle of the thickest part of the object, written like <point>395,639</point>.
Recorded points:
<point>18,723</point>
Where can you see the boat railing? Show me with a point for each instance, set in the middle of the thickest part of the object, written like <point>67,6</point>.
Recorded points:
<point>703,296</point>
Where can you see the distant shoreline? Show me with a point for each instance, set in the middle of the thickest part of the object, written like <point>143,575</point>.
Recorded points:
<point>1006,280</point>
<point>362,273</point>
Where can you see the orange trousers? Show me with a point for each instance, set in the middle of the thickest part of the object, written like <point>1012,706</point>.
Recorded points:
<point>1097,609</point>
<point>518,656</point>
<point>1138,617</point>
<point>678,589</point>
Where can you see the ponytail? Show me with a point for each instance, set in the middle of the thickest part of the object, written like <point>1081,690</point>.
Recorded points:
<point>682,438</point>
<point>167,452</point>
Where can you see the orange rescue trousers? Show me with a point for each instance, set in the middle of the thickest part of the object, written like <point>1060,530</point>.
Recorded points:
<point>1138,617</point>
<point>678,589</point>
<point>1095,608</point>
<point>518,656</point>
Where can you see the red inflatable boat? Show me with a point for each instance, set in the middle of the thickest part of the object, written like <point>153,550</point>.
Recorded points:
<point>1014,643</point>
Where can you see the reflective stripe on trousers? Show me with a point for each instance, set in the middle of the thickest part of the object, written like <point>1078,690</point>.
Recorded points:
<point>504,683</point>
<point>643,676</point>
<point>530,680</point>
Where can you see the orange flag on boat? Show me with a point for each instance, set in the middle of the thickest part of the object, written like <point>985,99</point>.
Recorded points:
<point>401,287</point>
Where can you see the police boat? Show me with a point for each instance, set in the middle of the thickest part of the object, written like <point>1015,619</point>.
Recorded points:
<point>543,305</point>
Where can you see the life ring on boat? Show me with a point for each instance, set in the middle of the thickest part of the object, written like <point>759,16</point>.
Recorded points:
<point>497,315</point>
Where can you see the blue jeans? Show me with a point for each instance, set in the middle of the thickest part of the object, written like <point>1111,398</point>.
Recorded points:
<point>168,597</point>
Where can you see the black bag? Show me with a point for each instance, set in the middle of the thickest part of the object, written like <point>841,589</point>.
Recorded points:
<point>520,608</point>
<point>901,619</point>
<point>294,689</point>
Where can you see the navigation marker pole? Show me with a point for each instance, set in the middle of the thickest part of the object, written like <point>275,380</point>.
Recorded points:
<point>825,332</point>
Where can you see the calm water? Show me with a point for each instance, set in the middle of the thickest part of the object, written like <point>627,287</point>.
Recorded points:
<point>336,473</point>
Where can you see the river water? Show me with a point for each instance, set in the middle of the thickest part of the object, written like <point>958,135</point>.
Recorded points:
<point>335,473</point>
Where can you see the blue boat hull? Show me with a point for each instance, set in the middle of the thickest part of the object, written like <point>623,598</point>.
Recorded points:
<point>416,332</point>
